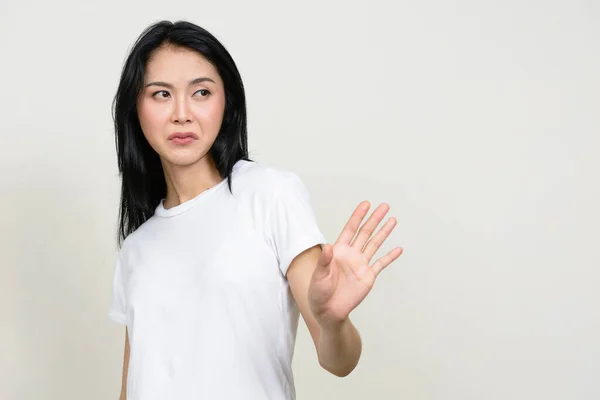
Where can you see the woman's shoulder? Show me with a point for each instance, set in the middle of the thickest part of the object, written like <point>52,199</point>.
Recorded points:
<point>258,176</point>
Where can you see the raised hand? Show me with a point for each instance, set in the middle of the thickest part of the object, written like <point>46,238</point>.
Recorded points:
<point>344,274</point>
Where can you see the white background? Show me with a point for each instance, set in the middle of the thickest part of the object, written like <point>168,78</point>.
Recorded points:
<point>478,121</point>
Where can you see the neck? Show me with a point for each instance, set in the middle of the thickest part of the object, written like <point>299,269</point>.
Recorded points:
<point>186,182</point>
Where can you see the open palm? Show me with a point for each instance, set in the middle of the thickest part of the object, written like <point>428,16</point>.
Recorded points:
<point>344,274</point>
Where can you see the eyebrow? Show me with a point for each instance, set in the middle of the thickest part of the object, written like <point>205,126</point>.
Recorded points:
<point>191,83</point>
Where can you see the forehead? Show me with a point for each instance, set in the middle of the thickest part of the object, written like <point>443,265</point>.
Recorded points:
<point>173,64</point>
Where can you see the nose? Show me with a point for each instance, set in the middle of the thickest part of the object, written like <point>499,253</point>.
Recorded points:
<point>181,111</point>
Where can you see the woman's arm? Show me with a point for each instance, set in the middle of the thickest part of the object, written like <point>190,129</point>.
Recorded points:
<point>329,282</point>
<point>125,368</point>
<point>338,348</point>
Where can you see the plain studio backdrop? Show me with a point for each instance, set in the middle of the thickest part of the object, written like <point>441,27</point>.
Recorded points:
<point>478,121</point>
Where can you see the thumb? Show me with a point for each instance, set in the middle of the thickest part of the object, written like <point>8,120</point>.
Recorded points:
<point>322,270</point>
<point>326,256</point>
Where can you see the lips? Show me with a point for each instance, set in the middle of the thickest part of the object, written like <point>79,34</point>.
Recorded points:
<point>183,135</point>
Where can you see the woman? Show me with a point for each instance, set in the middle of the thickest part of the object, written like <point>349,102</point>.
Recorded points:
<point>219,254</point>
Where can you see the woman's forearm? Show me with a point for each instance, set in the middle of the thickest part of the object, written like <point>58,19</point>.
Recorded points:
<point>339,348</point>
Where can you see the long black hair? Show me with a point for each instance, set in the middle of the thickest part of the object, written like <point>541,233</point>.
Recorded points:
<point>143,181</point>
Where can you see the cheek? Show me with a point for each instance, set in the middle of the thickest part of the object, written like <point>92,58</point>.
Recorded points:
<point>151,119</point>
<point>211,116</point>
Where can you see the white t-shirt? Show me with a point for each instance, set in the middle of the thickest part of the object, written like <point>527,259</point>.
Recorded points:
<point>202,290</point>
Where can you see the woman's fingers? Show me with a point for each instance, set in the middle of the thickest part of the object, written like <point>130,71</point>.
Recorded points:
<point>364,234</point>
<point>376,241</point>
<point>353,223</point>
<point>386,260</point>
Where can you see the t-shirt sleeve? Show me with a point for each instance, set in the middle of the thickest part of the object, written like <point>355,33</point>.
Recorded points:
<point>292,221</point>
<point>117,311</point>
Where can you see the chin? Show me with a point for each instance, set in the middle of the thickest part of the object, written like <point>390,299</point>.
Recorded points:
<point>183,160</point>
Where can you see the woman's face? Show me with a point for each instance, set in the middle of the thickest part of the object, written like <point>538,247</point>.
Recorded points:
<point>181,105</point>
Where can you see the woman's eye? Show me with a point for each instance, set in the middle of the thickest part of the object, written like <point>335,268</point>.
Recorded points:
<point>203,92</point>
<point>163,94</point>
